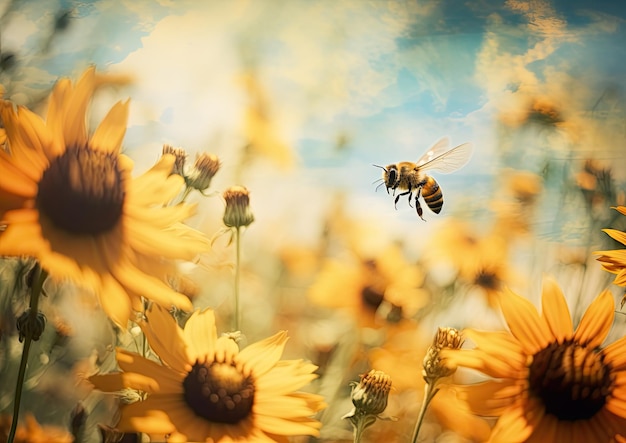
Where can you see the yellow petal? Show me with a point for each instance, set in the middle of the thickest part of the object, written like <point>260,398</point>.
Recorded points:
<point>74,122</point>
<point>166,381</point>
<point>525,323</point>
<point>500,345</point>
<point>22,239</point>
<point>54,118</point>
<point>596,321</point>
<point>555,311</point>
<point>114,301</point>
<point>109,135</point>
<point>489,364</point>
<point>285,377</point>
<point>513,426</point>
<point>166,338</point>
<point>292,426</point>
<point>15,180</point>
<point>120,381</point>
<point>287,406</point>
<point>145,416</point>
<point>200,335</point>
<point>225,349</point>
<point>490,398</point>
<point>615,354</point>
<point>261,356</point>
<point>616,235</point>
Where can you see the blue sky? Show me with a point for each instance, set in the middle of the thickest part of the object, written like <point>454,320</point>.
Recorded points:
<point>385,78</point>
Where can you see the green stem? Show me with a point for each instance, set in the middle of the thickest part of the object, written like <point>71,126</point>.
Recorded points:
<point>186,193</point>
<point>429,393</point>
<point>39,278</point>
<point>358,433</point>
<point>237,276</point>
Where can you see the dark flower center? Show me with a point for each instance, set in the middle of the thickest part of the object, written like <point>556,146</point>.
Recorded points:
<point>219,392</point>
<point>487,279</point>
<point>82,191</point>
<point>372,297</point>
<point>572,381</point>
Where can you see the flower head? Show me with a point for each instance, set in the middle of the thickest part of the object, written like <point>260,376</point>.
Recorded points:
<point>204,169</point>
<point>237,212</point>
<point>208,390</point>
<point>67,199</point>
<point>370,395</point>
<point>181,157</point>
<point>434,366</point>
<point>552,383</point>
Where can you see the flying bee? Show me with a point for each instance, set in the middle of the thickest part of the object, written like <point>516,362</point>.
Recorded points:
<point>411,178</point>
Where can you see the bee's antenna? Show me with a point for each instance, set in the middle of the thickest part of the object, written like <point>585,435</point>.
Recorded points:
<point>381,167</point>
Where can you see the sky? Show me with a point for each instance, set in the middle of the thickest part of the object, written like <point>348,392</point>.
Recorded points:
<point>336,86</point>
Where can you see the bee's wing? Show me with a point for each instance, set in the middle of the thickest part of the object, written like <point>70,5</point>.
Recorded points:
<point>441,159</point>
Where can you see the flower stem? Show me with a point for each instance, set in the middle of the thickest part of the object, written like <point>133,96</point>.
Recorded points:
<point>36,288</point>
<point>237,276</point>
<point>358,433</point>
<point>429,393</point>
<point>186,193</point>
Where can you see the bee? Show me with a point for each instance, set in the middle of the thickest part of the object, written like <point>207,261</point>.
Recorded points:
<point>411,178</point>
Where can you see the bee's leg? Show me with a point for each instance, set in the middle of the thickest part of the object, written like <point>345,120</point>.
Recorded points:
<point>395,202</point>
<point>418,207</point>
<point>409,192</point>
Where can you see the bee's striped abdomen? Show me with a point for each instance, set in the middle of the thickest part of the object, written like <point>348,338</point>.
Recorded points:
<point>432,195</point>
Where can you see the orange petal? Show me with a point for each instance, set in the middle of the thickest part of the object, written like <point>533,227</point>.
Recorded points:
<point>74,122</point>
<point>555,311</point>
<point>110,133</point>
<point>261,356</point>
<point>166,381</point>
<point>596,321</point>
<point>200,335</point>
<point>166,338</point>
<point>525,323</point>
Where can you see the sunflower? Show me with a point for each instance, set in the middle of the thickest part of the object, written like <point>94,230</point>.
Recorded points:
<point>207,390</point>
<point>614,261</point>
<point>552,383</point>
<point>69,201</point>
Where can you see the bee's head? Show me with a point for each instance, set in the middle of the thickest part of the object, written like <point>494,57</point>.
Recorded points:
<point>390,176</point>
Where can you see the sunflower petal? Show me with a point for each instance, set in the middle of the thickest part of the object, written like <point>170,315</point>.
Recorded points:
<point>596,321</point>
<point>200,335</point>
<point>165,380</point>
<point>166,338</point>
<point>555,311</point>
<point>616,235</point>
<point>145,416</point>
<point>525,323</point>
<point>261,356</point>
<point>110,133</point>
<point>75,111</point>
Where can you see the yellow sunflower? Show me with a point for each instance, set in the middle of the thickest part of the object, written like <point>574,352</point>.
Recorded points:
<point>207,390</point>
<point>362,286</point>
<point>552,383</point>
<point>68,200</point>
<point>614,261</point>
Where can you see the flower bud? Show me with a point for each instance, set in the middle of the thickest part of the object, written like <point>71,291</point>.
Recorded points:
<point>31,327</point>
<point>434,366</point>
<point>204,169</point>
<point>237,212</point>
<point>370,395</point>
<point>181,157</point>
